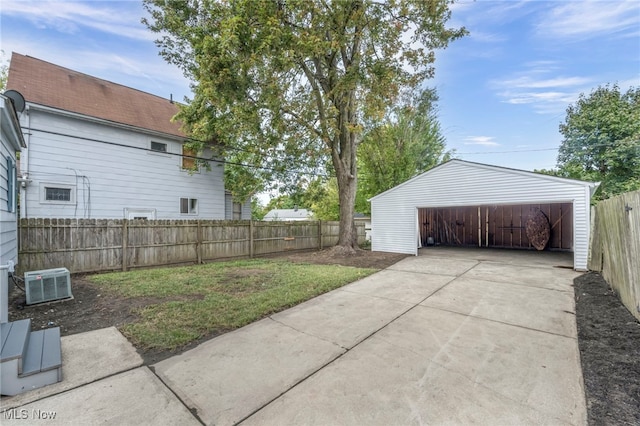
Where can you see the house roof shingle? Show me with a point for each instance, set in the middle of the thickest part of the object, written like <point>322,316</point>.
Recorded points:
<point>43,83</point>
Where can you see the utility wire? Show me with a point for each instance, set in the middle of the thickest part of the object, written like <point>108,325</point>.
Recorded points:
<point>168,153</point>
<point>507,152</point>
<point>600,145</point>
<point>610,144</point>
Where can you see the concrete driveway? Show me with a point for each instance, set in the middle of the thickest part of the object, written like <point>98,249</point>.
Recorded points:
<point>453,336</point>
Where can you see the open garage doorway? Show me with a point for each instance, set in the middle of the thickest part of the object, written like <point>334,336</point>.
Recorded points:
<point>497,226</point>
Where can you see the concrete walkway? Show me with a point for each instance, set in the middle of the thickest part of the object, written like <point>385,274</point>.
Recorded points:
<point>448,337</point>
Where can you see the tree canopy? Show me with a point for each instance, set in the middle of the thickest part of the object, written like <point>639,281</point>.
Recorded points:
<point>408,142</point>
<point>602,140</point>
<point>290,85</point>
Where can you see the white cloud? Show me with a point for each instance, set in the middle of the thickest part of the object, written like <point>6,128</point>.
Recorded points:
<point>490,12</point>
<point>481,140</point>
<point>542,86</point>
<point>627,84</point>
<point>487,37</point>
<point>542,66</point>
<point>527,82</point>
<point>538,97</point>
<point>587,19</point>
<point>69,16</point>
<point>561,82</point>
<point>543,102</point>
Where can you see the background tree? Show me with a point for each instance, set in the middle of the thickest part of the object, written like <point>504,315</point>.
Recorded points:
<point>602,140</point>
<point>406,144</point>
<point>4,72</point>
<point>326,205</point>
<point>291,83</point>
<point>257,209</point>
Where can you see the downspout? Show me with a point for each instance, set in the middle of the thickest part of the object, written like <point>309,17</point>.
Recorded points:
<point>24,165</point>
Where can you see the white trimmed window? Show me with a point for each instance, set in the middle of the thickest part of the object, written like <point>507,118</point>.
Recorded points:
<point>53,193</point>
<point>160,147</point>
<point>237,211</point>
<point>188,159</point>
<point>188,206</point>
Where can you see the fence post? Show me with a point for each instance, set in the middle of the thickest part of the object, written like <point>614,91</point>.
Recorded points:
<point>125,242</point>
<point>251,248</point>
<point>199,243</point>
<point>319,235</point>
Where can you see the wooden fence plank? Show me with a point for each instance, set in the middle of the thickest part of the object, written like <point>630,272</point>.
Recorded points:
<point>95,245</point>
<point>615,246</point>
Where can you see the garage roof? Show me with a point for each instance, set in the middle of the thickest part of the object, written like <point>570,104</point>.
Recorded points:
<point>591,185</point>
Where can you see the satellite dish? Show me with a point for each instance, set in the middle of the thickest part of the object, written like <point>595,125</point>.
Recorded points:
<point>17,99</point>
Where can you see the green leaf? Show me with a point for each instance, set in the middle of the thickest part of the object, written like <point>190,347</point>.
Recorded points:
<point>287,88</point>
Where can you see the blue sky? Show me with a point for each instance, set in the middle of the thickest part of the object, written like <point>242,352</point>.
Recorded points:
<point>503,89</point>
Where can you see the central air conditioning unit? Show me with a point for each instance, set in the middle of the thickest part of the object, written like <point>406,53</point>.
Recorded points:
<point>47,285</point>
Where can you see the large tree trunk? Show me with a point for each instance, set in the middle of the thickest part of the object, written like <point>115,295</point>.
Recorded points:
<point>347,186</point>
<point>344,162</point>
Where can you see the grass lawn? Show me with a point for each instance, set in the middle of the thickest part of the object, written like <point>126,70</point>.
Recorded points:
<point>187,303</point>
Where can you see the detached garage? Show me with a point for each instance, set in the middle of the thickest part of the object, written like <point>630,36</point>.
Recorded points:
<point>471,204</point>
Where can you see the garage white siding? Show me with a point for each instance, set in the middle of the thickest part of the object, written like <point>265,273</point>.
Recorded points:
<point>462,183</point>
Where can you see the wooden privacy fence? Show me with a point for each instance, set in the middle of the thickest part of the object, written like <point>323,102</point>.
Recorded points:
<point>615,246</point>
<point>94,245</point>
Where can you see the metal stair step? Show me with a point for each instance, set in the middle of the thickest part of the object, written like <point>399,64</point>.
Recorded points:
<point>15,339</point>
<point>33,358</point>
<point>44,352</point>
<point>52,352</point>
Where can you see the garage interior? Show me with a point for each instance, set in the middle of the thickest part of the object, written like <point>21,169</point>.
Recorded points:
<point>496,226</point>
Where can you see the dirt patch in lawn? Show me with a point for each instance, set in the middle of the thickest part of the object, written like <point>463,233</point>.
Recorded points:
<point>92,308</point>
<point>89,309</point>
<point>359,259</point>
<point>609,339</point>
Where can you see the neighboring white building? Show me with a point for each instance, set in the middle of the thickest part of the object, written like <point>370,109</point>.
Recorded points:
<point>288,215</point>
<point>97,149</point>
<point>468,194</point>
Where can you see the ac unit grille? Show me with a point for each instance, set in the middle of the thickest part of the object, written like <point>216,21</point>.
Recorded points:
<point>47,285</point>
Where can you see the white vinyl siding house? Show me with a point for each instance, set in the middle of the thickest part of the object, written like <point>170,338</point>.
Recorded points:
<point>394,213</point>
<point>12,142</point>
<point>100,150</point>
<point>82,167</point>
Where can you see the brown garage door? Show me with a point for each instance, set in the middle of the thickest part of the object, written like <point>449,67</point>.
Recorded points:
<point>494,225</point>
